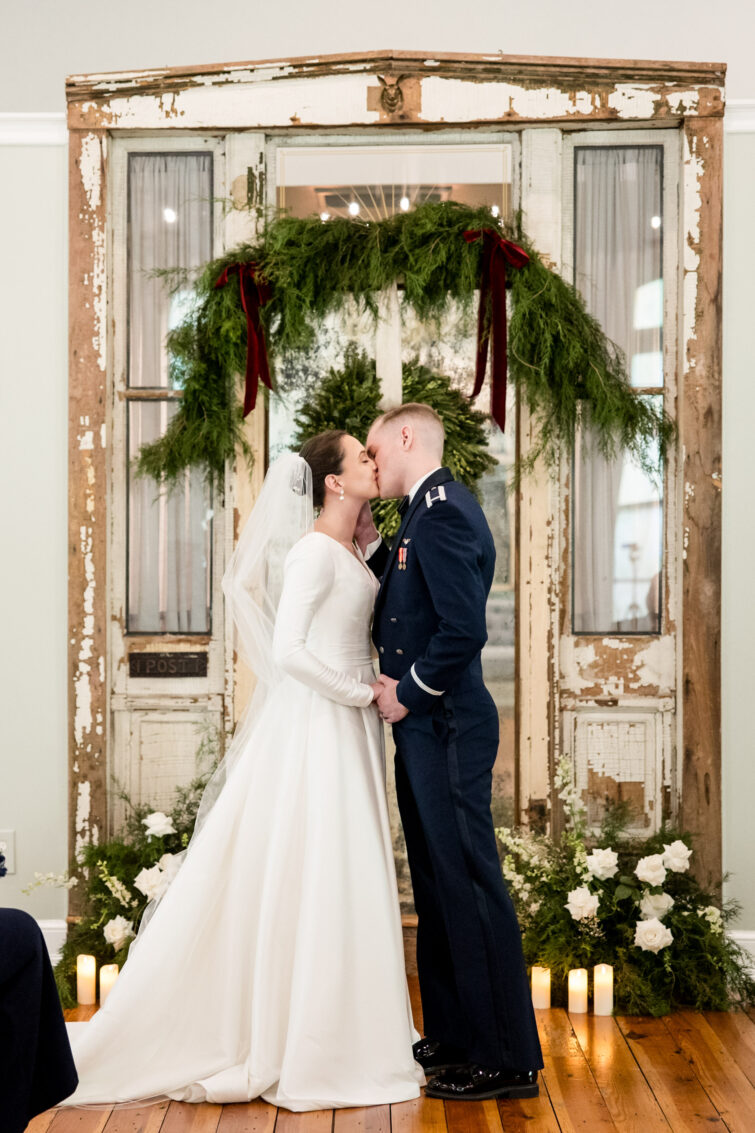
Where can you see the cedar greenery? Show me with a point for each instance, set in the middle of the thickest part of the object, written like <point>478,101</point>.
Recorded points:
<point>564,368</point>
<point>349,399</point>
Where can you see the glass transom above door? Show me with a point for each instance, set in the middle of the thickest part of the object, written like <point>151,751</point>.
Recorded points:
<point>374,182</point>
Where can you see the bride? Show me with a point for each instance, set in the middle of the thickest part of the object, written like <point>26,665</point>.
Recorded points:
<point>273,963</point>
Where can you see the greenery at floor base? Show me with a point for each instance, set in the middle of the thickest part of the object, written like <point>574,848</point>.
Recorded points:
<point>566,371</point>
<point>349,399</point>
<point>631,903</point>
<point>122,874</point>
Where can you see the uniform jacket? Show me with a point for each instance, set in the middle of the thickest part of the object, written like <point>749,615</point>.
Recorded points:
<point>429,624</point>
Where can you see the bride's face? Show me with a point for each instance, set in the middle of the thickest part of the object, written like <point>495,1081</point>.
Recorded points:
<point>358,472</point>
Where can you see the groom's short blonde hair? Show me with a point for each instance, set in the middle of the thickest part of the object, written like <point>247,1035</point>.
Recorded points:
<point>423,417</point>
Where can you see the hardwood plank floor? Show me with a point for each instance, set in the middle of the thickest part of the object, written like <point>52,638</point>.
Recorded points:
<point>683,1073</point>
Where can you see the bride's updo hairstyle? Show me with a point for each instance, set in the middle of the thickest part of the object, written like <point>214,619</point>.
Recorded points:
<point>324,455</point>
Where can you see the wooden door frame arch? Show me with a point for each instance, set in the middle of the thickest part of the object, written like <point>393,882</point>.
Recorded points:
<point>373,91</point>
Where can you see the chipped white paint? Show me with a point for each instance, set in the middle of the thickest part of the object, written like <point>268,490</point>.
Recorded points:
<point>333,100</point>
<point>460,100</point>
<point>655,665</point>
<point>689,492</point>
<point>684,102</point>
<point>631,100</point>
<point>693,169</point>
<point>91,170</point>
<point>575,660</point>
<point>86,440</point>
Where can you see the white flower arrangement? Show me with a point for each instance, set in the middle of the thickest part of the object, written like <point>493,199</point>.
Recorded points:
<point>656,905</point>
<point>714,918</point>
<point>676,856</point>
<point>603,864</point>
<point>651,869</point>
<point>116,886</point>
<point>157,824</point>
<point>652,935</point>
<point>154,881</point>
<point>53,880</point>
<point>117,931</point>
<point>582,904</point>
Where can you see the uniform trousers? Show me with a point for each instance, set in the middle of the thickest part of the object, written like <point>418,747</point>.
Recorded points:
<point>473,981</point>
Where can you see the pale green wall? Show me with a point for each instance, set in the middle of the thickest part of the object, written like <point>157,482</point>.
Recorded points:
<point>33,563</point>
<point>738,633</point>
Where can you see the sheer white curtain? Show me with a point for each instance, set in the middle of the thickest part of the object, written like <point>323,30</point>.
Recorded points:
<point>618,270</point>
<point>169,534</point>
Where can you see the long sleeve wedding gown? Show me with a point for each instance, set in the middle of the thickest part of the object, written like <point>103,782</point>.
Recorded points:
<point>274,964</point>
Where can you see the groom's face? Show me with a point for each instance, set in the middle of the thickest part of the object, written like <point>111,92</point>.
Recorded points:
<point>384,446</point>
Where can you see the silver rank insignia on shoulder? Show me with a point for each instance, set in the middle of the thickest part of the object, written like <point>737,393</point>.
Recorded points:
<point>430,499</point>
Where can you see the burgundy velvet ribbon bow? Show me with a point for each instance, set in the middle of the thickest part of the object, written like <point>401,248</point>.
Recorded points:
<point>496,253</point>
<point>254,294</point>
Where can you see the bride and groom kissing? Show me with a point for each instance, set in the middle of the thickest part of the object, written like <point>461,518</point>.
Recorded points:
<point>273,964</point>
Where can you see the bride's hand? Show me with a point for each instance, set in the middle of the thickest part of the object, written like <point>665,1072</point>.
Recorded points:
<point>377,687</point>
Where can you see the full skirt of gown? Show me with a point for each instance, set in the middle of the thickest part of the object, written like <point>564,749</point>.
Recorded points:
<point>274,964</point>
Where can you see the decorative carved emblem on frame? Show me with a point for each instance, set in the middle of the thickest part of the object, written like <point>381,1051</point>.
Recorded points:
<point>395,98</point>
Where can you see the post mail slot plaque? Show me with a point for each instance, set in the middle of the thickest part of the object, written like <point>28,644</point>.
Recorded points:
<point>167,664</point>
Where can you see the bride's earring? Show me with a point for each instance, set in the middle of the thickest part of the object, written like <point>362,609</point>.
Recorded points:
<point>341,496</point>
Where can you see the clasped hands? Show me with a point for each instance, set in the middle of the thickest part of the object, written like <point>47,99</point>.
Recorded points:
<point>389,706</point>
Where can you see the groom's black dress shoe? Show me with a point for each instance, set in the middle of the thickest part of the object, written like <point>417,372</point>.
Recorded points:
<point>473,1083</point>
<point>434,1056</point>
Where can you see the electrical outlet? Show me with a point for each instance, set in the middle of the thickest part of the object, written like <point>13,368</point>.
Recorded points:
<point>8,847</point>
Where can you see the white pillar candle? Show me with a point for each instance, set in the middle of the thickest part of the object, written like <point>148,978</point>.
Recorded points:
<point>541,986</point>
<point>577,990</point>
<point>86,979</point>
<point>108,976</point>
<point>603,990</point>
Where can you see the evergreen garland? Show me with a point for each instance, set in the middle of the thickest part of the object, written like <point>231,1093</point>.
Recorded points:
<point>559,357</point>
<point>349,399</point>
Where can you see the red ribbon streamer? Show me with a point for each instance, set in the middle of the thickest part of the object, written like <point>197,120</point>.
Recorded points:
<point>496,253</point>
<point>254,294</point>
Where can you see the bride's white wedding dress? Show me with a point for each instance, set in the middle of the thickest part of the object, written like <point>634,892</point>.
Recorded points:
<point>274,964</point>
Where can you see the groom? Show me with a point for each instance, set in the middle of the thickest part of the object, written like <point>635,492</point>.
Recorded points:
<point>429,628</point>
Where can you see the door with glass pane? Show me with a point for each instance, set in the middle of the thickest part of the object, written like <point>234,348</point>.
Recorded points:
<point>619,590</point>
<point>166,655</point>
<point>348,178</point>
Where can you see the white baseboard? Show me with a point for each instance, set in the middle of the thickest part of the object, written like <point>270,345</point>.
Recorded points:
<point>33,130</point>
<point>745,938</point>
<point>55,932</point>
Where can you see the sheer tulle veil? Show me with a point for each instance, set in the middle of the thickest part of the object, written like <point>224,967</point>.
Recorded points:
<point>252,586</point>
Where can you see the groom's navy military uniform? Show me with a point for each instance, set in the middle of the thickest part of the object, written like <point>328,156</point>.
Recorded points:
<point>429,628</point>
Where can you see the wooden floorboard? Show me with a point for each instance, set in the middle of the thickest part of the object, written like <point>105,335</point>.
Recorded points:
<point>727,1086</point>
<point>686,1072</point>
<point>628,1097</point>
<point>736,1031</point>
<point>574,1093</point>
<point>672,1079</point>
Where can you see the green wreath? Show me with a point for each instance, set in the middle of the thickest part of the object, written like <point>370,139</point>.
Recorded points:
<point>349,399</point>
<point>563,366</point>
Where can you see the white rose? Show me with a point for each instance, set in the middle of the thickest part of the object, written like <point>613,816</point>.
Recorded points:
<point>117,931</point>
<point>158,824</point>
<point>656,905</point>
<point>150,882</point>
<point>651,935</point>
<point>603,864</point>
<point>676,856</point>
<point>170,865</point>
<point>582,903</point>
<point>651,869</point>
